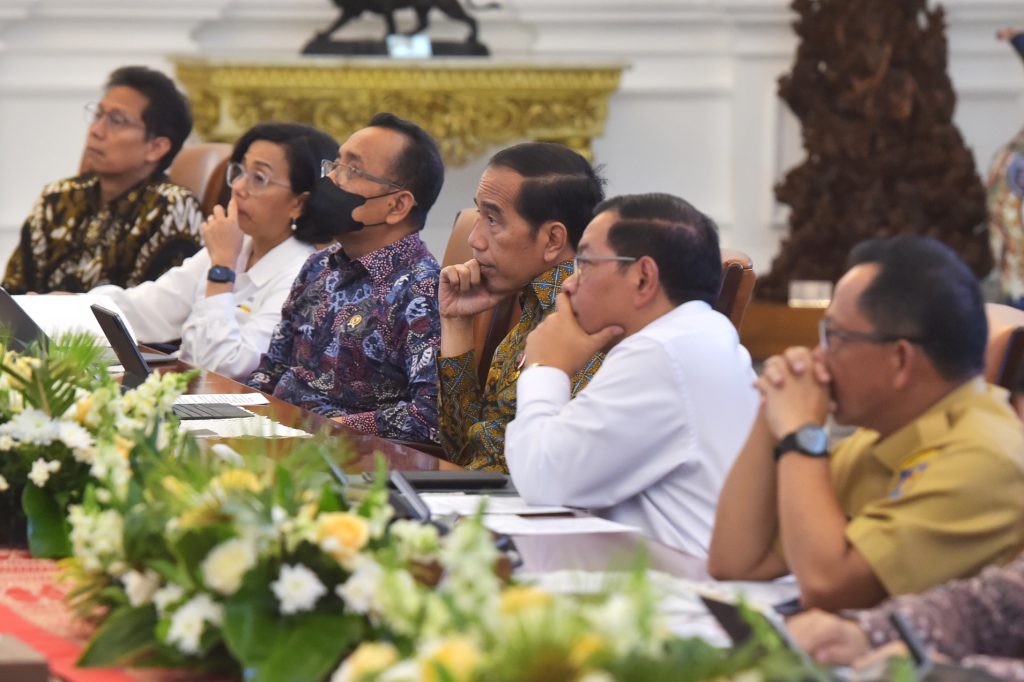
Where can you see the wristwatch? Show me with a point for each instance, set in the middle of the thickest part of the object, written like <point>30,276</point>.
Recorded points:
<point>810,440</point>
<point>221,274</point>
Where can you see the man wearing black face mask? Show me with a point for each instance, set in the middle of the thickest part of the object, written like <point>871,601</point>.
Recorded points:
<point>360,329</point>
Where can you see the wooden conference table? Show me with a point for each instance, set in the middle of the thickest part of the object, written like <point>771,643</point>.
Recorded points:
<point>31,597</point>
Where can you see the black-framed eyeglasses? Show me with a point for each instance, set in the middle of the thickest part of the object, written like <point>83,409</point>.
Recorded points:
<point>579,263</point>
<point>93,112</point>
<point>334,169</point>
<point>827,333</point>
<point>256,182</point>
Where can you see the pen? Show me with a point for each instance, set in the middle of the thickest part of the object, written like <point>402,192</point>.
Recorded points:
<point>909,637</point>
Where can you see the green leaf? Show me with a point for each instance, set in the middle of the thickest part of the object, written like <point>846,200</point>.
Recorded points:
<point>126,635</point>
<point>47,528</point>
<point>250,617</point>
<point>307,648</point>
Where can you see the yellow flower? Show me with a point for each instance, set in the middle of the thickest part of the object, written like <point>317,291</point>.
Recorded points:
<point>83,408</point>
<point>238,479</point>
<point>369,658</point>
<point>520,598</point>
<point>341,535</point>
<point>174,486</point>
<point>457,655</point>
<point>123,445</point>
<point>585,648</point>
<point>201,515</point>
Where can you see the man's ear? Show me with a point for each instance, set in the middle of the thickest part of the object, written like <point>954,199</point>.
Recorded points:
<point>904,359</point>
<point>555,237</point>
<point>401,206</point>
<point>156,148</point>
<point>647,279</point>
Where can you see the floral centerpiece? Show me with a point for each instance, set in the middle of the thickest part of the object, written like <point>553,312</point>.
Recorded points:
<point>63,421</point>
<point>271,569</point>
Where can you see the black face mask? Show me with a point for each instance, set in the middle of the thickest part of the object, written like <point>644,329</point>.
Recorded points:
<point>331,205</point>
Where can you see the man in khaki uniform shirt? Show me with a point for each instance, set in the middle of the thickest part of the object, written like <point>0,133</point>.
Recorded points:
<point>927,490</point>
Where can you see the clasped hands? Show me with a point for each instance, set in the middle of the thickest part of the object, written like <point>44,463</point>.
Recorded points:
<point>795,390</point>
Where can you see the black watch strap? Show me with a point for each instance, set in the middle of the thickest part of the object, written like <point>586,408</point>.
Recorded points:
<point>221,274</point>
<point>810,440</point>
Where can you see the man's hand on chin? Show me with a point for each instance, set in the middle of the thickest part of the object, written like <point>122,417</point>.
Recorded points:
<point>462,292</point>
<point>559,341</point>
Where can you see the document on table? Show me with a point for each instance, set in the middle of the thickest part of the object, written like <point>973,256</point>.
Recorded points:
<point>461,504</point>
<point>258,427</point>
<point>226,398</point>
<point>581,525</point>
<point>59,313</point>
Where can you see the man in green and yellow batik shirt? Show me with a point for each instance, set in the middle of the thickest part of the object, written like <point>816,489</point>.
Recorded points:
<point>534,200</point>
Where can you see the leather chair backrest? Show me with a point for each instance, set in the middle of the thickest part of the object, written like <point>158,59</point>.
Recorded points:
<point>490,326</point>
<point>738,279</point>
<point>1004,353</point>
<point>201,168</point>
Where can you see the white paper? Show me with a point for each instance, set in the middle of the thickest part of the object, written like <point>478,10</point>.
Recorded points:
<point>61,313</point>
<point>226,398</point>
<point>517,525</point>
<point>460,504</point>
<point>258,426</point>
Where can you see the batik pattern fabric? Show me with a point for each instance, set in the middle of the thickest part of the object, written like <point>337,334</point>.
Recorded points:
<point>473,418</point>
<point>358,339</point>
<point>1005,203</point>
<point>72,241</point>
<point>977,622</point>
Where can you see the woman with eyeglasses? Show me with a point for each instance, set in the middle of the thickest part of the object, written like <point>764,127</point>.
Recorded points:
<point>224,302</point>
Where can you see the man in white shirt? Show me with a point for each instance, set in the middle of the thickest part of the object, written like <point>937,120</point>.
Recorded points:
<point>649,442</point>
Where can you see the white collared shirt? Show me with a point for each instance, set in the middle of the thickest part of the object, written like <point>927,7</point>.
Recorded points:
<point>649,441</point>
<point>225,333</point>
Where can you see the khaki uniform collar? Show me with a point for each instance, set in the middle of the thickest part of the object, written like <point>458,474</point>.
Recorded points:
<point>927,429</point>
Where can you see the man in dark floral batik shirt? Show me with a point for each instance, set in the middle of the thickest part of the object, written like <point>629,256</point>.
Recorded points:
<point>122,221</point>
<point>360,330</point>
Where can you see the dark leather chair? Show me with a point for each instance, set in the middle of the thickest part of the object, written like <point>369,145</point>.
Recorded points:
<point>1004,354</point>
<point>738,279</point>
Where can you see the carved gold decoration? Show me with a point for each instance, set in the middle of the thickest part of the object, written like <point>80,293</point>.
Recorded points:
<point>468,106</point>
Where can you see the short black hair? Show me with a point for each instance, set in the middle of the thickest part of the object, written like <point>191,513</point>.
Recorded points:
<point>924,291</point>
<point>679,238</point>
<point>304,148</point>
<point>419,169</point>
<point>558,184</point>
<point>167,113</point>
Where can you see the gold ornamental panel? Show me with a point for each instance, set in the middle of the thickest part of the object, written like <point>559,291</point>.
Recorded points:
<point>468,105</point>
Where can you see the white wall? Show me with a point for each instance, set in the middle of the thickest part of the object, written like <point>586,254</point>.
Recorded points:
<point>696,115</point>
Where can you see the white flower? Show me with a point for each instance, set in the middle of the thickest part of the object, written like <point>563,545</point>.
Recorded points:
<point>4,485</point>
<point>77,439</point>
<point>189,620</point>
<point>359,592</point>
<point>226,563</point>
<point>415,541</point>
<point>166,596</point>
<point>41,470</point>
<point>32,426</point>
<point>140,587</point>
<point>6,442</point>
<point>227,454</point>
<point>297,588</point>
<point>96,538</point>
<point>406,671</point>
